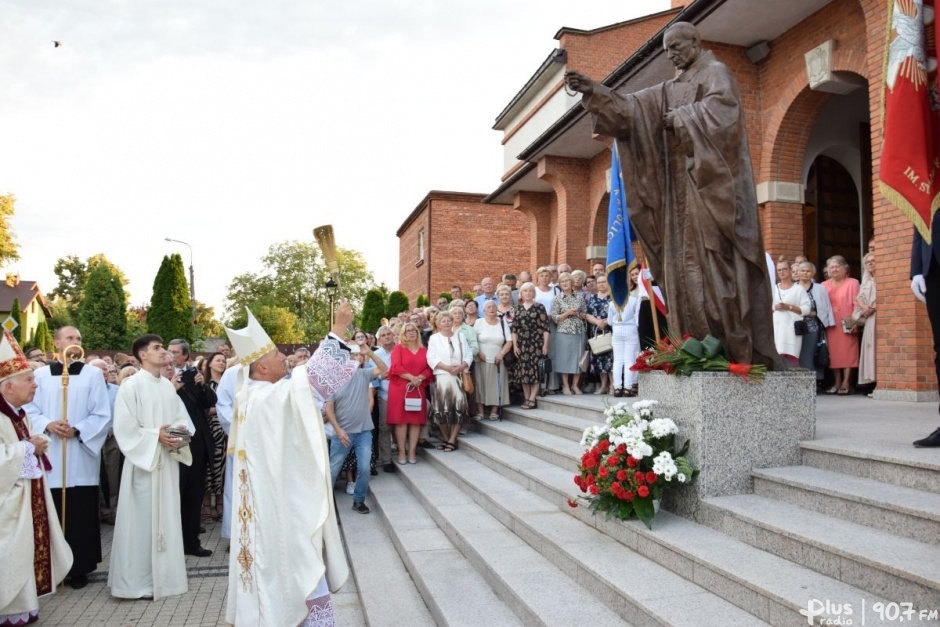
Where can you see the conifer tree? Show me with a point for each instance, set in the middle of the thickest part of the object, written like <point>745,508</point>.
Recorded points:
<point>17,315</point>
<point>170,307</point>
<point>373,310</point>
<point>103,311</point>
<point>43,337</point>
<point>397,303</point>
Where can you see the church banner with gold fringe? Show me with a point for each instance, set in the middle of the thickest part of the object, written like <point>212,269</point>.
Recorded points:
<point>911,155</point>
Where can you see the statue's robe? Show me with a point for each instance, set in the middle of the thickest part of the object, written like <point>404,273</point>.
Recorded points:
<point>693,205</point>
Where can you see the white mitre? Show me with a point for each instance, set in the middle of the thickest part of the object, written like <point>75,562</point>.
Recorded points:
<point>251,343</point>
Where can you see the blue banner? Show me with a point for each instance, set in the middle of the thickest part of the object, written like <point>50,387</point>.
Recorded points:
<point>620,259</point>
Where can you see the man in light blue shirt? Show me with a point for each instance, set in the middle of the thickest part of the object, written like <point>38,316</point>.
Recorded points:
<point>386,341</point>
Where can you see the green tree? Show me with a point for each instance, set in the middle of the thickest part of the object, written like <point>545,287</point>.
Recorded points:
<point>103,311</point>
<point>281,324</point>
<point>373,310</point>
<point>397,302</point>
<point>17,315</point>
<point>170,313</point>
<point>293,276</point>
<point>422,301</point>
<point>446,295</point>
<point>73,275</point>
<point>136,325</point>
<point>9,249</point>
<point>43,337</point>
<point>207,325</point>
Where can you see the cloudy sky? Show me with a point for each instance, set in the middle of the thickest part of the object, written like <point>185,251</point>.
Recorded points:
<point>232,125</point>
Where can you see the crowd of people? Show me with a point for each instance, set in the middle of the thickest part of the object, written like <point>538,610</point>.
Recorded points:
<point>153,447</point>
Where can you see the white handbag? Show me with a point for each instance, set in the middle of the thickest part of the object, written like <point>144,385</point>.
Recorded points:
<point>413,403</point>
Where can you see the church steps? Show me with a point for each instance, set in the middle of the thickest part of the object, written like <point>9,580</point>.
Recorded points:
<point>899,510</point>
<point>561,451</point>
<point>585,406</point>
<point>454,592</point>
<point>538,591</point>
<point>878,561</point>
<point>634,586</point>
<point>388,596</point>
<point>568,427</point>
<point>893,463</point>
<point>765,585</point>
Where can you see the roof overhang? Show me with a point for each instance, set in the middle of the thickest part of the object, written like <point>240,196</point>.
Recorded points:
<point>735,22</point>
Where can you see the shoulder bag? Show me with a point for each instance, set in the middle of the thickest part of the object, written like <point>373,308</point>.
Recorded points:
<point>466,379</point>
<point>413,398</point>
<point>509,358</point>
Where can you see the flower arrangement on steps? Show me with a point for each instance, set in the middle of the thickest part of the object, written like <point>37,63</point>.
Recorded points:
<point>629,462</point>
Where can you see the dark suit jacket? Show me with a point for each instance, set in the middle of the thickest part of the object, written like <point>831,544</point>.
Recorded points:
<point>921,251</point>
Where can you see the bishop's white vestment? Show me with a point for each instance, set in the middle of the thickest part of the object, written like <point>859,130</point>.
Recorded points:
<point>285,539</point>
<point>147,550</point>
<point>35,554</point>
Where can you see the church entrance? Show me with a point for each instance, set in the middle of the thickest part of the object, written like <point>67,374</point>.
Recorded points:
<point>837,216</point>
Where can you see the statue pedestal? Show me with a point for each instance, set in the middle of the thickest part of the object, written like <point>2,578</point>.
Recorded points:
<point>735,426</point>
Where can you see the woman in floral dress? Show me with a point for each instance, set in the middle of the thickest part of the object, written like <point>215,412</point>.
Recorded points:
<point>601,365</point>
<point>530,335</point>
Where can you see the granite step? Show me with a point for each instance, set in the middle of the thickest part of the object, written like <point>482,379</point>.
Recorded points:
<point>902,511</point>
<point>388,596</point>
<point>567,427</point>
<point>454,593</point>
<point>765,585</point>
<point>539,592</point>
<point>636,587</point>
<point>585,406</point>
<point>561,451</point>
<point>888,462</point>
<point>878,561</point>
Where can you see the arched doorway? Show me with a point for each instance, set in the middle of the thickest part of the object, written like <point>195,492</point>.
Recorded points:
<point>837,217</point>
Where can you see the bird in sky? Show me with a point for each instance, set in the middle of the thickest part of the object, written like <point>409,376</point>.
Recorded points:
<point>56,44</point>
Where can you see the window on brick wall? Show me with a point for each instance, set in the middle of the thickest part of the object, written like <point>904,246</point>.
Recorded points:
<point>421,245</point>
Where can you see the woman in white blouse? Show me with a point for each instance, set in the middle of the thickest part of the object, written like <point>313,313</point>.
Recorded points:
<point>790,304</point>
<point>492,378</point>
<point>449,357</point>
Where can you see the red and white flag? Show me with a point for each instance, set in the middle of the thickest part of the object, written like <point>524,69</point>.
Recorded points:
<point>646,288</point>
<point>911,155</point>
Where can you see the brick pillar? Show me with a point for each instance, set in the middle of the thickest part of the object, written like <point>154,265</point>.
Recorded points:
<point>537,206</point>
<point>570,180</point>
<point>782,229</point>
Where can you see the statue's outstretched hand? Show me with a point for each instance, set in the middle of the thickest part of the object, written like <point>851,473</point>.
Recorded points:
<point>919,287</point>
<point>579,82</point>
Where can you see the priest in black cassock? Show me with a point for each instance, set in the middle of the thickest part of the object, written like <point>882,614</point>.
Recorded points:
<point>83,434</point>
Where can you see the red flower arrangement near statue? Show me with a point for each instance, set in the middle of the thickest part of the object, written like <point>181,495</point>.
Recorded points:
<point>685,355</point>
<point>629,462</point>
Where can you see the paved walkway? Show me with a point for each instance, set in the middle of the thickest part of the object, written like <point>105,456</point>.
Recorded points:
<point>891,424</point>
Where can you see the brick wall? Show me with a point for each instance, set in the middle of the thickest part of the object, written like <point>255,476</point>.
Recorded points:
<point>465,241</point>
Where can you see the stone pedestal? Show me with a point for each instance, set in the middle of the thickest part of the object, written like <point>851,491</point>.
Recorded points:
<point>735,426</point>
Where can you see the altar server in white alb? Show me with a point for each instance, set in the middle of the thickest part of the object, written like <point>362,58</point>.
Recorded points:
<point>287,554</point>
<point>35,554</point>
<point>89,418</point>
<point>147,558</point>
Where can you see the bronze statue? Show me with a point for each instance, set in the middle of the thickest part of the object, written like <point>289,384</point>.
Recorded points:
<point>690,189</point>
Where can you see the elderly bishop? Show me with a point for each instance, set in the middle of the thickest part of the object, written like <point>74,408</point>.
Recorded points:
<point>35,554</point>
<point>287,554</point>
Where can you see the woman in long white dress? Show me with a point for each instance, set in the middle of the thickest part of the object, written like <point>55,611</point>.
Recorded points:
<point>790,304</point>
<point>449,357</point>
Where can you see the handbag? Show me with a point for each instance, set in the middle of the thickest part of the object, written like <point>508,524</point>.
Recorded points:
<point>601,344</point>
<point>413,403</point>
<point>510,358</point>
<point>821,356</point>
<point>545,367</point>
<point>851,326</point>
<point>585,361</point>
<point>800,327</point>
<point>466,379</point>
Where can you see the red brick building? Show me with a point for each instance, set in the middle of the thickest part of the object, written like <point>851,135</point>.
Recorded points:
<point>810,74</point>
<point>452,238</point>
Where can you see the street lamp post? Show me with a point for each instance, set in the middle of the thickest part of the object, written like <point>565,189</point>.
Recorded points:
<point>331,287</point>
<point>192,283</point>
